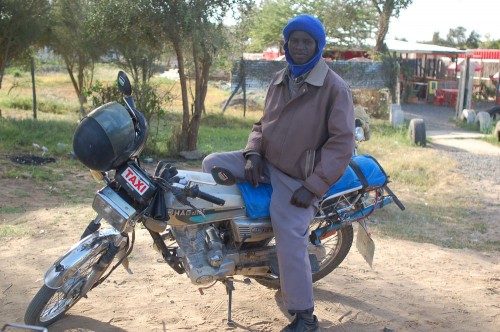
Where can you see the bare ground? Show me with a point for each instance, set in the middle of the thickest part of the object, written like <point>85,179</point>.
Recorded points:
<point>412,286</point>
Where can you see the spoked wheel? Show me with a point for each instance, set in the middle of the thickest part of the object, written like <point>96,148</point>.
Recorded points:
<point>49,305</point>
<point>336,247</point>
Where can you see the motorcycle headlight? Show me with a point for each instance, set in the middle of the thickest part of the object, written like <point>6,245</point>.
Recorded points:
<point>114,209</point>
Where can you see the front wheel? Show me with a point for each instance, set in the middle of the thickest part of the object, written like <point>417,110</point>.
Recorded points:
<point>50,305</point>
<point>337,247</point>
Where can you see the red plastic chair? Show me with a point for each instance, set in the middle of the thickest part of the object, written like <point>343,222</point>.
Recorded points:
<point>453,99</point>
<point>439,97</point>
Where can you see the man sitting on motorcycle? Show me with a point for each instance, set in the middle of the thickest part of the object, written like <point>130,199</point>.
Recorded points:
<point>301,145</point>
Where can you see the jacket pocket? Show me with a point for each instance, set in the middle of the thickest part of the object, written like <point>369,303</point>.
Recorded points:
<point>309,163</point>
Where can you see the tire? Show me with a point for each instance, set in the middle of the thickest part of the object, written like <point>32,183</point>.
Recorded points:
<point>496,131</point>
<point>50,305</point>
<point>337,247</point>
<point>484,120</point>
<point>417,132</point>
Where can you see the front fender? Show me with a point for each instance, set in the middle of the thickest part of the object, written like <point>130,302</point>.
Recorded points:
<point>70,262</point>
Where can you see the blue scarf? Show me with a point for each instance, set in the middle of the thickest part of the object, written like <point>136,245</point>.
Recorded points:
<point>312,26</point>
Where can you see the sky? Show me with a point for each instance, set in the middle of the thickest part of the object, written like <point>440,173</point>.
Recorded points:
<point>424,17</point>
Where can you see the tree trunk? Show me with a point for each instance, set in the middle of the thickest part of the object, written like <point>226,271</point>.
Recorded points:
<point>183,141</point>
<point>33,86</point>
<point>383,24</point>
<point>5,58</point>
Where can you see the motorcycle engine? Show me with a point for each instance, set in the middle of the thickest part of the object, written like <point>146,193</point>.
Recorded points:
<point>205,257</point>
<point>202,253</point>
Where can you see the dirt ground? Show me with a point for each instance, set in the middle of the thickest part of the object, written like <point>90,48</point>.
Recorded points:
<point>412,286</point>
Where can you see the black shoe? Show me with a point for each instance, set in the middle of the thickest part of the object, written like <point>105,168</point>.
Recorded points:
<point>303,323</point>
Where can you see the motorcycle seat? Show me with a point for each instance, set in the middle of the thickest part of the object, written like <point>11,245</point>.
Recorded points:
<point>363,172</point>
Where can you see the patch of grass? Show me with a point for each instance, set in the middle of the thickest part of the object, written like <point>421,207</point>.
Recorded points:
<point>30,171</point>
<point>12,230</point>
<point>44,105</point>
<point>480,228</point>
<point>474,127</point>
<point>223,133</point>
<point>491,139</point>
<point>11,210</point>
<point>20,135</point>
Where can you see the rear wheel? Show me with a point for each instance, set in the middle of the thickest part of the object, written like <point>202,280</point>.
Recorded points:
<point>50,305</point>
<point>337,247</point>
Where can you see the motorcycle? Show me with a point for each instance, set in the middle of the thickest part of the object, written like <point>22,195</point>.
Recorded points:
<point>205,225</point>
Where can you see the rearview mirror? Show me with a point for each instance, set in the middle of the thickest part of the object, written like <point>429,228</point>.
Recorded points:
<point>124,84</point>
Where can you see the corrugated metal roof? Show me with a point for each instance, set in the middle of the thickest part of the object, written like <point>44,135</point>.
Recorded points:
<point>409,47</point>
<point>483,54</point>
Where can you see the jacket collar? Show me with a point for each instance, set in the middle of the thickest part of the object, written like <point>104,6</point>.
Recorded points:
<point>316,77</point>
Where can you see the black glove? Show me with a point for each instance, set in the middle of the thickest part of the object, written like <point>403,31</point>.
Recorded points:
<point>253,169</point>
<point>302,197</point>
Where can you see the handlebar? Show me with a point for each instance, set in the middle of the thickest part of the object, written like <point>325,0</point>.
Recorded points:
<point>195,191</point>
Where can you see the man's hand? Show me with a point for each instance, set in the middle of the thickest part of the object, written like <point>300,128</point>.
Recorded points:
<point>253,169</point>
<point>302,197</point>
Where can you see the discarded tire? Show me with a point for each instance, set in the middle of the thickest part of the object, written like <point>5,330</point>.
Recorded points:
<point>397,118</point>
<point>417,132</point>
<point>484,120</point>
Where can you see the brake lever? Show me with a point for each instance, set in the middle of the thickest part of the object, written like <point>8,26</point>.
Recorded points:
<point>181,196</point>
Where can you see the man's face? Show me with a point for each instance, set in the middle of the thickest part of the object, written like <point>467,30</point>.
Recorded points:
<point>301,47</point>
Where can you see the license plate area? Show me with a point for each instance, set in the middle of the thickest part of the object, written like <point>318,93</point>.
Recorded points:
<point>365,244</point>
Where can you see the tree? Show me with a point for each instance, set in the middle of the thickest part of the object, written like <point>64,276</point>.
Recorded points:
<point>265,22</point>
<point>126,27</point>
<point>490,43</point>
<point>348,23</point>
<point>192,27</point>
<point>22,24</point>
<point>473,40</point>
<point>385,10</point>
<point>457,38</point>
<point>71,38</point>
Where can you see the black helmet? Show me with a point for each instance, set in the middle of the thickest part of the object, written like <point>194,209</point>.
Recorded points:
<point>109,136</point>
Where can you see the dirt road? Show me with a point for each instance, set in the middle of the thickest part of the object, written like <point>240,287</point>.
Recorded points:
<point>412,286</point>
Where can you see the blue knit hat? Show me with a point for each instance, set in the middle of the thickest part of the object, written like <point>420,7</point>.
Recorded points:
<point>312,26</point>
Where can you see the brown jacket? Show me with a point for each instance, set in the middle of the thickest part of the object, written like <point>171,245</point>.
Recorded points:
<point>309,137</point>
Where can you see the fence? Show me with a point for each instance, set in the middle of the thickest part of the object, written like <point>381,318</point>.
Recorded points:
<point>257,75</point>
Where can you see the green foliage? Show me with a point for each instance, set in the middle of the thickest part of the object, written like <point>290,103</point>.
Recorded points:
<point>457,38</point>
<point>266,22</point>
<point>126,27</point>
<point>193,26</point>
<point>151,102</point>
<point>223,133</point>
<point>99,94</point>
<point>72,38</point>
<point>348,23</point>
<point>385,10</point>
<point>12,230</point>
<point>20,135</point>
<point>375,102</point>
<point>43,105</point>
<point>490,44</point>
<point>22,25</point>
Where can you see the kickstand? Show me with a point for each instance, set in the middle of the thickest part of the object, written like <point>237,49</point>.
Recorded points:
<point>229,283</point>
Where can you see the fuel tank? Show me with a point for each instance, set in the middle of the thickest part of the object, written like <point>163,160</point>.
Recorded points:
<point>182,215</point>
